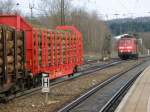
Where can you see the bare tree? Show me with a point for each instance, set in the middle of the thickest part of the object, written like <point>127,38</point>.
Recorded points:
<point>144,45</point>
<point>7,6</point>
<point>97,37</point>
<point>51,11</point>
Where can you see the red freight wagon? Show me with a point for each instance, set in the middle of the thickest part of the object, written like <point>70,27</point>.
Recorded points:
<point>127,47</point>
<point>56,52</point>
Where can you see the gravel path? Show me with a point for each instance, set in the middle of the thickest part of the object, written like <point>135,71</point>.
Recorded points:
<point>63,93</point>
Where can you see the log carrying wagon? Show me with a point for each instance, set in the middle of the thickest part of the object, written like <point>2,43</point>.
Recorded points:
<point>33,51</point>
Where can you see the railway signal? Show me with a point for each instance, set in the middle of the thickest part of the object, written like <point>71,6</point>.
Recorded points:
<point>45,85</point>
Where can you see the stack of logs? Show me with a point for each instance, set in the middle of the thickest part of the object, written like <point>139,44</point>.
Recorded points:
<point>10,53</point>
<point>19,51</point>
<point>10,56</point>
<point>58,39</point>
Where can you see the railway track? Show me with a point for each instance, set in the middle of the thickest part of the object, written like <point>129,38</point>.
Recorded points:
<point>84,72</point>
<point>115,100</point>
<point>104,96</point>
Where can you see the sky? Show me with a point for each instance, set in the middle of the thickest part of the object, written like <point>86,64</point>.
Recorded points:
<point>107,9</point>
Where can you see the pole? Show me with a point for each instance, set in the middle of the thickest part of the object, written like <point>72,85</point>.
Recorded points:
<point>62,13</point>
<point>120,22</point>
<point>45,86</point>
<point>46,98</point>
<point>31,9</point>
<point>17,9</point>
<point>148,51</point>
<point>31,13</point>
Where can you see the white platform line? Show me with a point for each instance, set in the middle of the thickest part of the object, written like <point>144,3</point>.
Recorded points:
<point>130,92</point>
<point>148,105</point>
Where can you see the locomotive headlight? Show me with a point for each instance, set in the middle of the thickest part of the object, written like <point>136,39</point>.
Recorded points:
<point>31,74</point>
<point>121,51</point>
<point>121,47</point>
<point>129,47</point>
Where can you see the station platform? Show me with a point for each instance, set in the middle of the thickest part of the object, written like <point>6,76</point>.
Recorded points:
<point>138,97</point>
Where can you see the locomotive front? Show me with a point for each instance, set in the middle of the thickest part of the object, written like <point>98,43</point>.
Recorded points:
<point>127,48</point>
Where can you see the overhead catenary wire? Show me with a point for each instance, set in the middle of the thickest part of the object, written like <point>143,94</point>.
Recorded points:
<point>38,11</point>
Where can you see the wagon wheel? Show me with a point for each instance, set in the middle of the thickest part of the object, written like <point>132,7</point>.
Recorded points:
<point>74,71</point>
<point>29,81</point>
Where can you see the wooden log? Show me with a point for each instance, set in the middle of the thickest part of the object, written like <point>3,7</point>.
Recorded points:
<point>10,68</point>
<point>1,54</point>
<point>18,50</point>
<point>19,66</point>
<point>19,43</point>
<point>19,57</point>
<point>10,44</point>
<point>1,46</point>
<point>19,35</point>
<point>9,80</point>
<point>40,58</point>
<point>9,37</point>
<point>10,59</point>
<point>1,70</point>
<point>10,51</point>
<point>1,61</point>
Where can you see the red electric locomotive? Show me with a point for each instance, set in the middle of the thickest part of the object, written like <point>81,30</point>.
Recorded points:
<point>27,52</point>
<point>127,47</point>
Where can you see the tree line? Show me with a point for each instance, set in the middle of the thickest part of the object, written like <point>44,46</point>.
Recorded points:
<point>128,25</point>
<point>139,26</point>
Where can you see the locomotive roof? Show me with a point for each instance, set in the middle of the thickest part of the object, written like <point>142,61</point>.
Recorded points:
<point>127,36</point>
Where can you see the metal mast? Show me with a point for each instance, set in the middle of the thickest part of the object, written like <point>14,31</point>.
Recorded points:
<point>62,12</point>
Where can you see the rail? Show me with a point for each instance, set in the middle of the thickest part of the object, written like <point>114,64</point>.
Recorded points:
<point>71,106</point>
<point>57,81</point>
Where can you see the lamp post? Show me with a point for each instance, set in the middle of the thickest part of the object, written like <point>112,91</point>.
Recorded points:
<point>17,4</point>
<point>120,28</point>
<point>141,42</point>
<point>17,8</point>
